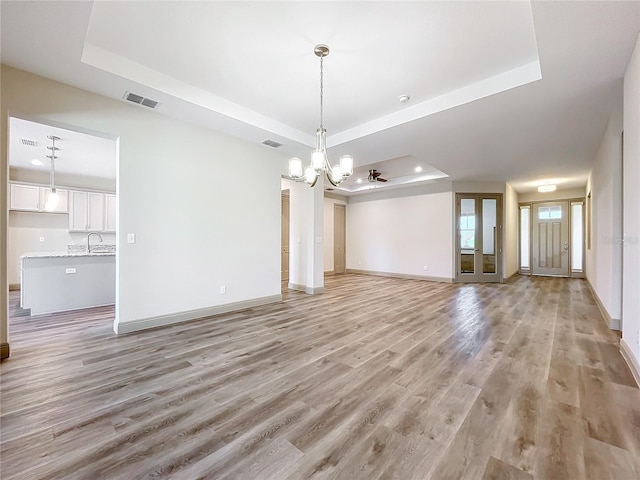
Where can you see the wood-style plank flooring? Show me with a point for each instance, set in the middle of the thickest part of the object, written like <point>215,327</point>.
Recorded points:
<point>377,378</point>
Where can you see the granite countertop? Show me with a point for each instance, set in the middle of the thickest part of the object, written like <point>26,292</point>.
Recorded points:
<point>66,254</point>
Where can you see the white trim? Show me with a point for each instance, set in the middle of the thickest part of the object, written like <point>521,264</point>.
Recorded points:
<point>400,275</point>
<point>163,320</point>
<point>631,360</point>
<point>314,290</point>
<point>296,286</point>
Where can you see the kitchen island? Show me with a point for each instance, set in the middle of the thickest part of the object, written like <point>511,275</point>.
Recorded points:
<point>60,281</point>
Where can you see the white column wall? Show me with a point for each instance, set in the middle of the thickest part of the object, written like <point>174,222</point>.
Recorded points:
<point>631,212</point>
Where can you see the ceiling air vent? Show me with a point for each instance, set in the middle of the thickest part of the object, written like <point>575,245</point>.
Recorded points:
<point>272,143</point>
<point>29,143</point>
<point>140,100</point>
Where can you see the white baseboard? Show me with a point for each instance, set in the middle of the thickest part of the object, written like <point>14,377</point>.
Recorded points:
<point>400,275</point>
<point>631,360</point>
<point>305,289</point>
<point>163,320</point>
<point>612,323</point>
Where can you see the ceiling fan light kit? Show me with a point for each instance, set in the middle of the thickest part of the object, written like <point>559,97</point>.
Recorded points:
<point>336,174</point>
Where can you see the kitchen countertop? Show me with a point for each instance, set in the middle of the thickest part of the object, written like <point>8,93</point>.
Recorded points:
<point>66,254</point>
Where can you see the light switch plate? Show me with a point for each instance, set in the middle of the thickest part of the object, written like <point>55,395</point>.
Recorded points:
<point>41,239</point>
<point>131,238</point>
<point>70,270</point>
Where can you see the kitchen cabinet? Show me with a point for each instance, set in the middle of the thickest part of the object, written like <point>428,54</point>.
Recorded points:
<point>110,212</point>
<point>33,198</point>
<point>92,212</point>
<point>24,197</point>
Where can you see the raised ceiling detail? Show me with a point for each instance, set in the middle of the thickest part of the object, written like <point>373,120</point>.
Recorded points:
<point>449,58</point>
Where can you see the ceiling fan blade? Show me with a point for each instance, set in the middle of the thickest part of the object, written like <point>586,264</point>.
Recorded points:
<point>380,179</point>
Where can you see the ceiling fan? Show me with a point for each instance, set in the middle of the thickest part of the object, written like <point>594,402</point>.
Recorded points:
<point>374,176</point>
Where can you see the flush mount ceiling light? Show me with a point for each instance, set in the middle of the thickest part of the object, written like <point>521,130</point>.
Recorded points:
<point>52,200</point>
<point>319,160</point>
<point>547,188</point>
<point>36,162</point>
<point>403,98</point>
<point>418,169</point>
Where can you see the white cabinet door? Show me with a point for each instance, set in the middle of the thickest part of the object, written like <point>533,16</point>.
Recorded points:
<point>78,211</point>
<point>95,211</point>
<point>24,197</point>
<point>62,205</point>
<point>110,213</point>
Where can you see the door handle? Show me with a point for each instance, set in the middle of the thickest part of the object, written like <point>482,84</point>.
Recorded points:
<point>477,249</point>
<point>566,245</point>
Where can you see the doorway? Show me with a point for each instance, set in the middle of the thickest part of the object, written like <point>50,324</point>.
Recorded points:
<point>284,222</point>
<point>478,237</point>
<point>339,227</point>
<point>551,239</point>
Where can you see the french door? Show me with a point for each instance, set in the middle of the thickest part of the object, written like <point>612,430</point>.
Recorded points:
<point>478,237</point>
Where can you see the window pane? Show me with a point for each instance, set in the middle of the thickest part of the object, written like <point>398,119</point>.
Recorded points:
<point>489,212</point>
<point>524,237</point>
<point>576,237</point>
<point>555,212</point>
<point>543,213</point>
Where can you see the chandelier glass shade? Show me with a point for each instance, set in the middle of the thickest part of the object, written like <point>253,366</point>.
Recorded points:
<point>320,164</point>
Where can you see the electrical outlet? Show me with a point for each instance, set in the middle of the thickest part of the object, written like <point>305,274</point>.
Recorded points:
<point>359,263</point>
<point>223,289</point>
<point>425,268</point>
<point>638,338</point>
<point>131,238</point>
<point>41,239</point>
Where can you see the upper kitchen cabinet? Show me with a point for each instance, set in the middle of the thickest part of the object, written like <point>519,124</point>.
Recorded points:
<point>110,212</point>
<point>33,198</point>
<point>92,212</point>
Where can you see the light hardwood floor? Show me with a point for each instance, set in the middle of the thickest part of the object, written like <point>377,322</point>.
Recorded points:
<point>377,378</point>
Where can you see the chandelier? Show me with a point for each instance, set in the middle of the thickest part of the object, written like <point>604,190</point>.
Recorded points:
<point>336,174</point>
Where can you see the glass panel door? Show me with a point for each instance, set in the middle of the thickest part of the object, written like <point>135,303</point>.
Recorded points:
<point>467,223</point>
<point>489,237</point>
<point>478,237</point>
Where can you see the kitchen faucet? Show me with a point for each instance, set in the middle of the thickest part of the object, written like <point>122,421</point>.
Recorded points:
<point>89,244</point>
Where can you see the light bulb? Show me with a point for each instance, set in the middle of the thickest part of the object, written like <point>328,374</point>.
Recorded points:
<point>295,168</point>
<point>346,165</point>
<point>52,201</point>
<point>317,160</point>
<point>309,175</point>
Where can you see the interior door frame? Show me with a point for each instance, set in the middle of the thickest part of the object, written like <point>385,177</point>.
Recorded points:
<point>343,207</point>
<point>585,231</point>
<point>478,276</point>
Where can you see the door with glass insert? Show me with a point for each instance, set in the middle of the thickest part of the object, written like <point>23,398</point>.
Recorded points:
<point>478,232</point>
<point>551,239</point>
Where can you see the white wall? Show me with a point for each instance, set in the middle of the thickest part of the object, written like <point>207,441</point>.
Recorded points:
<point>511,239</point>
<point>194,232</point>
<point>604,258</point>
<point>329,203</point>
<point>562,194</point>
<point>631,221</point>
<point>26,228</point>
<point>402,235</point>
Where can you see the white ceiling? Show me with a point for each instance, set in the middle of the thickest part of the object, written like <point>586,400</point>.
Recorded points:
<point>79,154</point>
<point>500,91</point>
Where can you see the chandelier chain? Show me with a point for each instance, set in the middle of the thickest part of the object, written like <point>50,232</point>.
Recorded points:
<point>321,93</point>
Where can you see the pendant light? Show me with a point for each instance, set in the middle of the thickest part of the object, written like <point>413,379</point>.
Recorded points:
<point>319,160</point>
<point>53,198</point>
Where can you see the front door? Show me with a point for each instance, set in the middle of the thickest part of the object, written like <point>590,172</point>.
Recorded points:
<point>551,239</point>
<point>478,247</point>
<point>338,238</point>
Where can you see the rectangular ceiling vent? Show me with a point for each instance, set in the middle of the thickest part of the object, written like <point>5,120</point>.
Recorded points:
<point>29,143</point>
<point>140,100</point>
<point>272,143</point>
